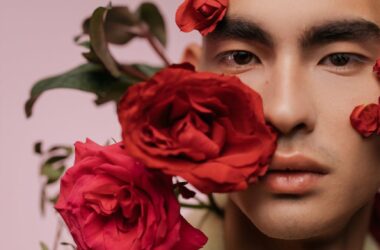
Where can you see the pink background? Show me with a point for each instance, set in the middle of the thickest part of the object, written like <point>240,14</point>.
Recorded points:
<point>35,42</point>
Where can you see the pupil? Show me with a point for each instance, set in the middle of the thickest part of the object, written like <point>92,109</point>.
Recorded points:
<point>339,59</point>
<point>241,57</point>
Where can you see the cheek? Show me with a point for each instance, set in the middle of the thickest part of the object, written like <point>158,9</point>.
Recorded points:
<point>335,97</point>
<point>255,79</point>
<point>355,163</point>
<point>357,160</point>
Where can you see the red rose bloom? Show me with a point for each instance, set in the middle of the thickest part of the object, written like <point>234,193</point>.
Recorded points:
<point>365,119</point>
<point>201,15</point>
<point>207,128</point>
<point>110,201</point>
<point>376,67</point>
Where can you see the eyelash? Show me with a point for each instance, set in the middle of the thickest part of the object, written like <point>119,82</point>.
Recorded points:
<point>353,58</point>
<point>227,61</point>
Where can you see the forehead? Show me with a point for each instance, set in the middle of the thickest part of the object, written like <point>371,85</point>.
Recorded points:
<point>287,17</point>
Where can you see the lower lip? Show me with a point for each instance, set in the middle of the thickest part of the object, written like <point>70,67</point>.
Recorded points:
<point>291,182</point>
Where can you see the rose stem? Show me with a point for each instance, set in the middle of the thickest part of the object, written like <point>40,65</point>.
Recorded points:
<point>144,31</point>
<point>195,206</point>
<point>58,235</point>
<point>156,45</point>
<point>133,72</point>
<point>215,207</point>
<point>199,200</point>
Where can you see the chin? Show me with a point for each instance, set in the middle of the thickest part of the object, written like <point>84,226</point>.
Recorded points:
<point>295,220</point>
<point>290,229</point>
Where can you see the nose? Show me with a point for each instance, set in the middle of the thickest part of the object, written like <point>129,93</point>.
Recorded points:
<point>288,99</point>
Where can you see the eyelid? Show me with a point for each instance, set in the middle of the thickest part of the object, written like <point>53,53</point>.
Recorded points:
<point>219,57</point>
<point>225,62</point>
<point>356,57</point>
<point>356,62</point>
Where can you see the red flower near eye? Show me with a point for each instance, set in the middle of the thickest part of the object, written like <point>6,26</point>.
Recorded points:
<point>201,15</point>
<point>207,128</point>
<point>376,67</point>
<point>110,201</point>
<point>366,119</point>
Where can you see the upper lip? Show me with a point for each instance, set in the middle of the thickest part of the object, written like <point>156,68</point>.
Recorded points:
<point>296,162</point>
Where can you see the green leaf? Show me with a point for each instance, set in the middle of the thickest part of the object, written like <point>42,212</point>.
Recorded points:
<point>150,14</point>
<point>88,77</point>
<point>53,200</point>
<point>51,172</point>
<point>118,24</point>
<point>55,159</point>
<point>43,246</point>
<point>92,57</point>
<point>99,42</point>
<point>38,147</point>
<point>68,149</point>
<point>85,44</point>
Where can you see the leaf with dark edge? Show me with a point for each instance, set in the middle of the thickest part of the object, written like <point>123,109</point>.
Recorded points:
<point>118,24</point>
<point>52,173</point>
<point>56,158</point>
<point>68,149</point>
<point>85,44</point>
<point>87,77</point>
<point>92,57</point>
<point>99,42</point>
<point>68,244</point>
<point>53,200</point>
<point>43,246</point>
<point>85,27</point>
<point>38,147</point>
<point>150,14</point>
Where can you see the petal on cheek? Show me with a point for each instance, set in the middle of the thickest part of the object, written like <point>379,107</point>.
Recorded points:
<point>366,119</point>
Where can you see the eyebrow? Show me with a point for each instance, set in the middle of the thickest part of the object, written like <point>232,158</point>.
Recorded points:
<point>238,28</point>
<point>355,30</point>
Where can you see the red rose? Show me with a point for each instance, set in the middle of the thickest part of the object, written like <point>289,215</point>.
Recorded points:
<point>207,128</point>
<point>376,67</point>
<point>365,119</point>
<point>201,15</point>
<point>110,201</point>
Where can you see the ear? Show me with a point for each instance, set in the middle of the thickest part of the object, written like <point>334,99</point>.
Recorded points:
<point>192,54</point>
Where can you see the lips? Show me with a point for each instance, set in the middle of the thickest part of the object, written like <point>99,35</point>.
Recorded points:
<point>294,174</point>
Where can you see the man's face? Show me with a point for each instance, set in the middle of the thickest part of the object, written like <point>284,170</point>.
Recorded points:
<point>311,61</point>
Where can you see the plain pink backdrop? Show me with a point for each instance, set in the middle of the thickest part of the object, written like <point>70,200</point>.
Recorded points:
<point>35,42</point>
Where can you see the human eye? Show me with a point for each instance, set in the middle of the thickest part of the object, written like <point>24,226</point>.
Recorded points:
<point>236,61</point>
<point>343,62</point>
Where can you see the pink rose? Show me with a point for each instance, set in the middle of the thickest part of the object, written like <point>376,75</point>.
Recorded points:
<point>110,201</point>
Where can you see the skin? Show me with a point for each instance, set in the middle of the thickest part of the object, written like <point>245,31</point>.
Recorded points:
<point>308,97</point>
